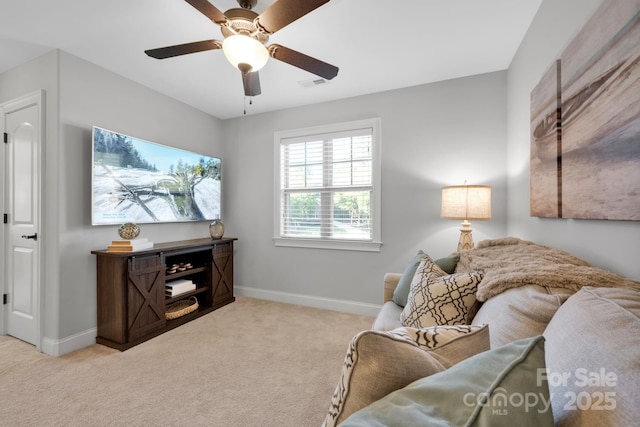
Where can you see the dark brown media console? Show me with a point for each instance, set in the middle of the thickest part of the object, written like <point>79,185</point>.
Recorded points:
<point>131,287</point>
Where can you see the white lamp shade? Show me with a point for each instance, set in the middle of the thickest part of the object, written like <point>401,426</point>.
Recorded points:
<point>241,49</point>
<point>466,202</point>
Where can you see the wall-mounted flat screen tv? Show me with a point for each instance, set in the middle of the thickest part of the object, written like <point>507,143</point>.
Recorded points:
<point>134,180</point>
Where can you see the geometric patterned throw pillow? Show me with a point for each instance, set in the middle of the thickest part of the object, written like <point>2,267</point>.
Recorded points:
<point>427,269</point>
<point>439,299</point>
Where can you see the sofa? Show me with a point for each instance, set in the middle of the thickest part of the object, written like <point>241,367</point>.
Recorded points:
<point>508,333</point>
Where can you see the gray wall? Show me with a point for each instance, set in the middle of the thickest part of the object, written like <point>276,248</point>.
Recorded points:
<point>474,129</point>
<point>90,95</point>
<point>432,135</point>
<point>614,245</point>
<point>42,74</point>
<point>80,95</point>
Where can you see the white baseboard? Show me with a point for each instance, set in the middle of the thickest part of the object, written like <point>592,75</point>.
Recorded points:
<point>309,301</point>
<point>53,347</point>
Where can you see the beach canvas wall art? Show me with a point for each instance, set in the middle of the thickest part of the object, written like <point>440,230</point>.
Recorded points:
<point>597,148</point>
<point>546,178</point>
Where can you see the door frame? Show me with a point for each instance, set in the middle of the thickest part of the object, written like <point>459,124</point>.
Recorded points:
<point>37,98</point>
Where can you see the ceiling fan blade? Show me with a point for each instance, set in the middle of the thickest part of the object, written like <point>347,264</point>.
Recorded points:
<point>251,83</point>
<point>208,10</point>
<point>183,49</point>
<point>300,60</point>
<point>284,12</point>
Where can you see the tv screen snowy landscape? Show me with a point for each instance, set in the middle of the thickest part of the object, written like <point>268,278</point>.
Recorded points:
<point>140,181</point>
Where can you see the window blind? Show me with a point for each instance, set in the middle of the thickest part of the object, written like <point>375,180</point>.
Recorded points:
<point>326,185</point>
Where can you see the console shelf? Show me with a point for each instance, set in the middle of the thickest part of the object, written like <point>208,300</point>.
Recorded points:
<point>131,287</point>
<point>199,290</point>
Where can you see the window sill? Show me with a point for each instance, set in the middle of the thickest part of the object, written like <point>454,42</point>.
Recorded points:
<point>344,245</point>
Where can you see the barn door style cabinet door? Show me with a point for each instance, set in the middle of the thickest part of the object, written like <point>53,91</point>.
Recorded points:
<point>222,273</point>
<point>145,295</point>
<point>132,287</point>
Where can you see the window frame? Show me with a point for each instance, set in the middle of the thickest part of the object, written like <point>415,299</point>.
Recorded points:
<point>371,245</point>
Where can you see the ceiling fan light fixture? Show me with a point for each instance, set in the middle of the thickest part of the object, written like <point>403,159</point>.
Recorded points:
<point>241,49</point>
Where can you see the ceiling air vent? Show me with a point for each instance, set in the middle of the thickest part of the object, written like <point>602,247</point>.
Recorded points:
<point>313,82</point>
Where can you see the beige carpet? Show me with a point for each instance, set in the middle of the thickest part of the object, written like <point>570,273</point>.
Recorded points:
<point>251,363</point>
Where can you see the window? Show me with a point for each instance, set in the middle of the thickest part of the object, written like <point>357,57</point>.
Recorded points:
<point>328,186</point>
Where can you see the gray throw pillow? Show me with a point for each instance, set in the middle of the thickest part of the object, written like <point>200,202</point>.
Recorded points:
<point>400,294</point>
<point>593,356</point>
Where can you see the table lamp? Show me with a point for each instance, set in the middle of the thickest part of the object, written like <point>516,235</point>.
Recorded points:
<point>466,202</point>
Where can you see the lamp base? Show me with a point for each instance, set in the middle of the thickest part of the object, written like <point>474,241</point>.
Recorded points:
<point>466,239</point>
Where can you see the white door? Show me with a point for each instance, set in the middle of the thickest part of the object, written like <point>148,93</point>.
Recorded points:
<point>22,123</point>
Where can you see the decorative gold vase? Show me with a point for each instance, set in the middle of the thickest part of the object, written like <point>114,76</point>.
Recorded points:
<point>216,229</point>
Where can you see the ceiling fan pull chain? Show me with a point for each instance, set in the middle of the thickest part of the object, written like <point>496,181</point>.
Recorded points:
<point>245,103</point>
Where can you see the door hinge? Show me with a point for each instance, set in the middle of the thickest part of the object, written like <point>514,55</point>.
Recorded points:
<point>5,299</point>
<point>6,137</point>
<point>6,219</point>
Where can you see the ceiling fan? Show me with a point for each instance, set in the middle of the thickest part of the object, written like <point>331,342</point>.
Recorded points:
<point>245,35</point>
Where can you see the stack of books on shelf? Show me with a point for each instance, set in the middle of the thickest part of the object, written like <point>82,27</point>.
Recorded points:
<point>179,286</point>
<point>129,245</point>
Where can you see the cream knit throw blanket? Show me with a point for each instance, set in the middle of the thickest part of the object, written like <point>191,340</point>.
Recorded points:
<point>511,262</point>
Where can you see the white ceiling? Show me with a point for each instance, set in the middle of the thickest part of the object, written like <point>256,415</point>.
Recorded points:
<point>377,44</point>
